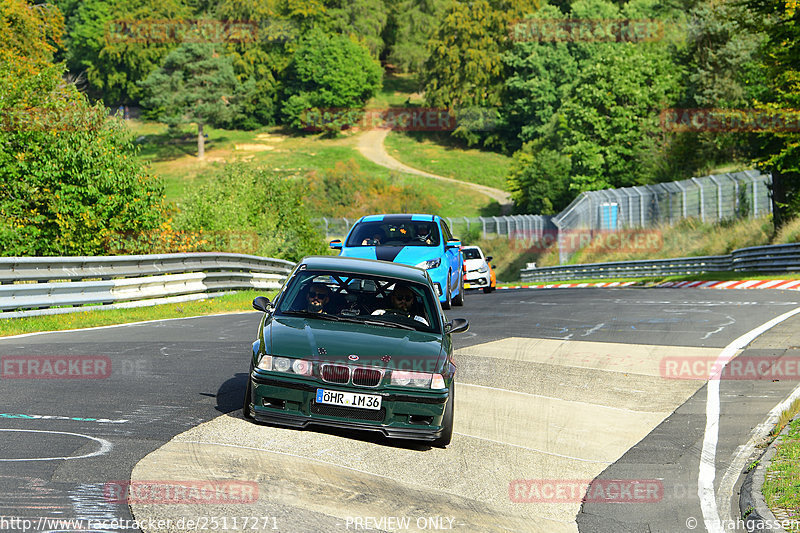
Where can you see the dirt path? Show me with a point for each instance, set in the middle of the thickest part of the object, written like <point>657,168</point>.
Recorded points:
<point>370,144</point>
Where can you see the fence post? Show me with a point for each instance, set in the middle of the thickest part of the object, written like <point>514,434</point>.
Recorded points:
<point>719,196</point>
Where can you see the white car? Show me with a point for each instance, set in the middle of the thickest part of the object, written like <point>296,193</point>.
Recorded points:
<point>478,273</point>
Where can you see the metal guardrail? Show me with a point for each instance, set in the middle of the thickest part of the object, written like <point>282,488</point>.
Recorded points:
<point>53,285</point>
<point>775,258</point>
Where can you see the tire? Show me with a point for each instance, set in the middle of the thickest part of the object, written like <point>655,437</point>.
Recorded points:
<point>448,303</point>
<point>459,299</point>
<point>248,397</point>
<point>447,420</point>
<point>487,290</point>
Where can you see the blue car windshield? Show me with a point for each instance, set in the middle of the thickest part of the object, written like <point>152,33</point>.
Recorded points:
<point>407,233</point>
<point>340,296</point>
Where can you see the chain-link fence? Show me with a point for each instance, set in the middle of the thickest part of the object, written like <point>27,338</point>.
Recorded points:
<point>526,227</point>
<point>711,198</point>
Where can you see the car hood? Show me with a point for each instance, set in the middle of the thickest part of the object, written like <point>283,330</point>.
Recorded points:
<point>322,340</point>
<point>473,264</point>
<point>407,255</point>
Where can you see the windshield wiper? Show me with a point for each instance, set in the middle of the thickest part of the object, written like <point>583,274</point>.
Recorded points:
<point>309,314</point>
<point>378,322</point>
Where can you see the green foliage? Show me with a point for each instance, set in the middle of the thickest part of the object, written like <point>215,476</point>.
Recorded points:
<point>779,152</point>
<point>464,68</point>
<point>111,41</point>
<point>539,179</point>
<point>412,24</point>
<point>363,20</point>
<point>329,72</point>
<point>346,191</point>
<point>30,31</point>
<point>541,75</point>
<point>197,84</point>
<point>251,201</point>
<point>69,180</point>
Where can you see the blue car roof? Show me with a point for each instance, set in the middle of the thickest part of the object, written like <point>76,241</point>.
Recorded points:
<point>399,217</point>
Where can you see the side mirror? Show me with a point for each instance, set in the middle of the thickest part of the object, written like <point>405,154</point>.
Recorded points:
<point>457,325</point>
<point>261,303</point>
<point>488,258</point>
<point>455,243</point>
<point>336,244</point>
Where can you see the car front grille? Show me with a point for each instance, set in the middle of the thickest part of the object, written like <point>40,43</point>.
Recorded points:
<point>367,377</point>
<point>348,412</point>
<point>361,377</point>
<point>335,373</point>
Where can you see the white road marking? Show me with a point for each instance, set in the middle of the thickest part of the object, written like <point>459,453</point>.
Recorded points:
<point>744,452</point>
<point>707,470</point>
<point>105,446</point>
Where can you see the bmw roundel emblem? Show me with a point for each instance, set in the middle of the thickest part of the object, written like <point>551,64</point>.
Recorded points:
<point>353,357</point>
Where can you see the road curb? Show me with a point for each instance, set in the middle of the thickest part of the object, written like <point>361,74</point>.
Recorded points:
<point>759,517</point>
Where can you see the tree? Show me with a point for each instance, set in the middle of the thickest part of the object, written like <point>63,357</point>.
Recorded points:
<point>31,32</point>
<point>196,84</point>
<point>540,77</point>
<point>69,180</point>
<point>412,24</point>
<point>117,43</point>
<point>779,151</point>
<point>464,68</point>
<point>328,71</point>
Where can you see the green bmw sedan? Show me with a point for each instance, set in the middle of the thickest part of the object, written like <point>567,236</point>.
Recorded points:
<point>355,343</point>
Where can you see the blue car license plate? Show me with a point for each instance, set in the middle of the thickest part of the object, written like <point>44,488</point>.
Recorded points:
<point>349,399</point>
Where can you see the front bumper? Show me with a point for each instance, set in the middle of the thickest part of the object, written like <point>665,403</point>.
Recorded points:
<point>403,415</point>
<point>476,279</point>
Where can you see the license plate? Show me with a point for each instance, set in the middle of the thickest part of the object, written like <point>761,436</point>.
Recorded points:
<point>349,399</point>
<point>467,285</point>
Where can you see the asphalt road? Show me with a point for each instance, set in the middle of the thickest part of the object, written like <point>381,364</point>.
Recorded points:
<point>553,385</point>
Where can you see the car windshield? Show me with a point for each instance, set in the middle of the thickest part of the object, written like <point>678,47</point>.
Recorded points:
<point>348,297</point>
<point>471,253</point>
<point>404,233</point>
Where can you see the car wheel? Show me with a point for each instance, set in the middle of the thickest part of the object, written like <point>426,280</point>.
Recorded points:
<point>449,301</point>
<point>447,420</point>
<point>248,396</point>
<point>459,299</point>
<point>487,290</point>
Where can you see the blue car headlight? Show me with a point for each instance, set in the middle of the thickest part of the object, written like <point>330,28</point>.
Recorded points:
<point>432,263</point>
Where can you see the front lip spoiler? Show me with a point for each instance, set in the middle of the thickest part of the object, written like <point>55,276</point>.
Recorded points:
<point>387,396</point>
<point>301,422</point>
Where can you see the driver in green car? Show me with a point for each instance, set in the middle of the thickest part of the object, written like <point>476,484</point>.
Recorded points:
<point>317,298</point>
<point>402,299</point>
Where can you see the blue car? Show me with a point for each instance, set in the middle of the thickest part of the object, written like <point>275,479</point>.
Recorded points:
<point>423,241</point>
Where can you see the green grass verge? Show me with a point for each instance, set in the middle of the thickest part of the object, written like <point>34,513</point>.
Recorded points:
<point>781,488</point>
<point>440,154</point>
<point>229,303</point>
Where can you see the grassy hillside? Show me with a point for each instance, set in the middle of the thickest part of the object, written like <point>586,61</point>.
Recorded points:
<point>441,155</point>
<point>172,156</point>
